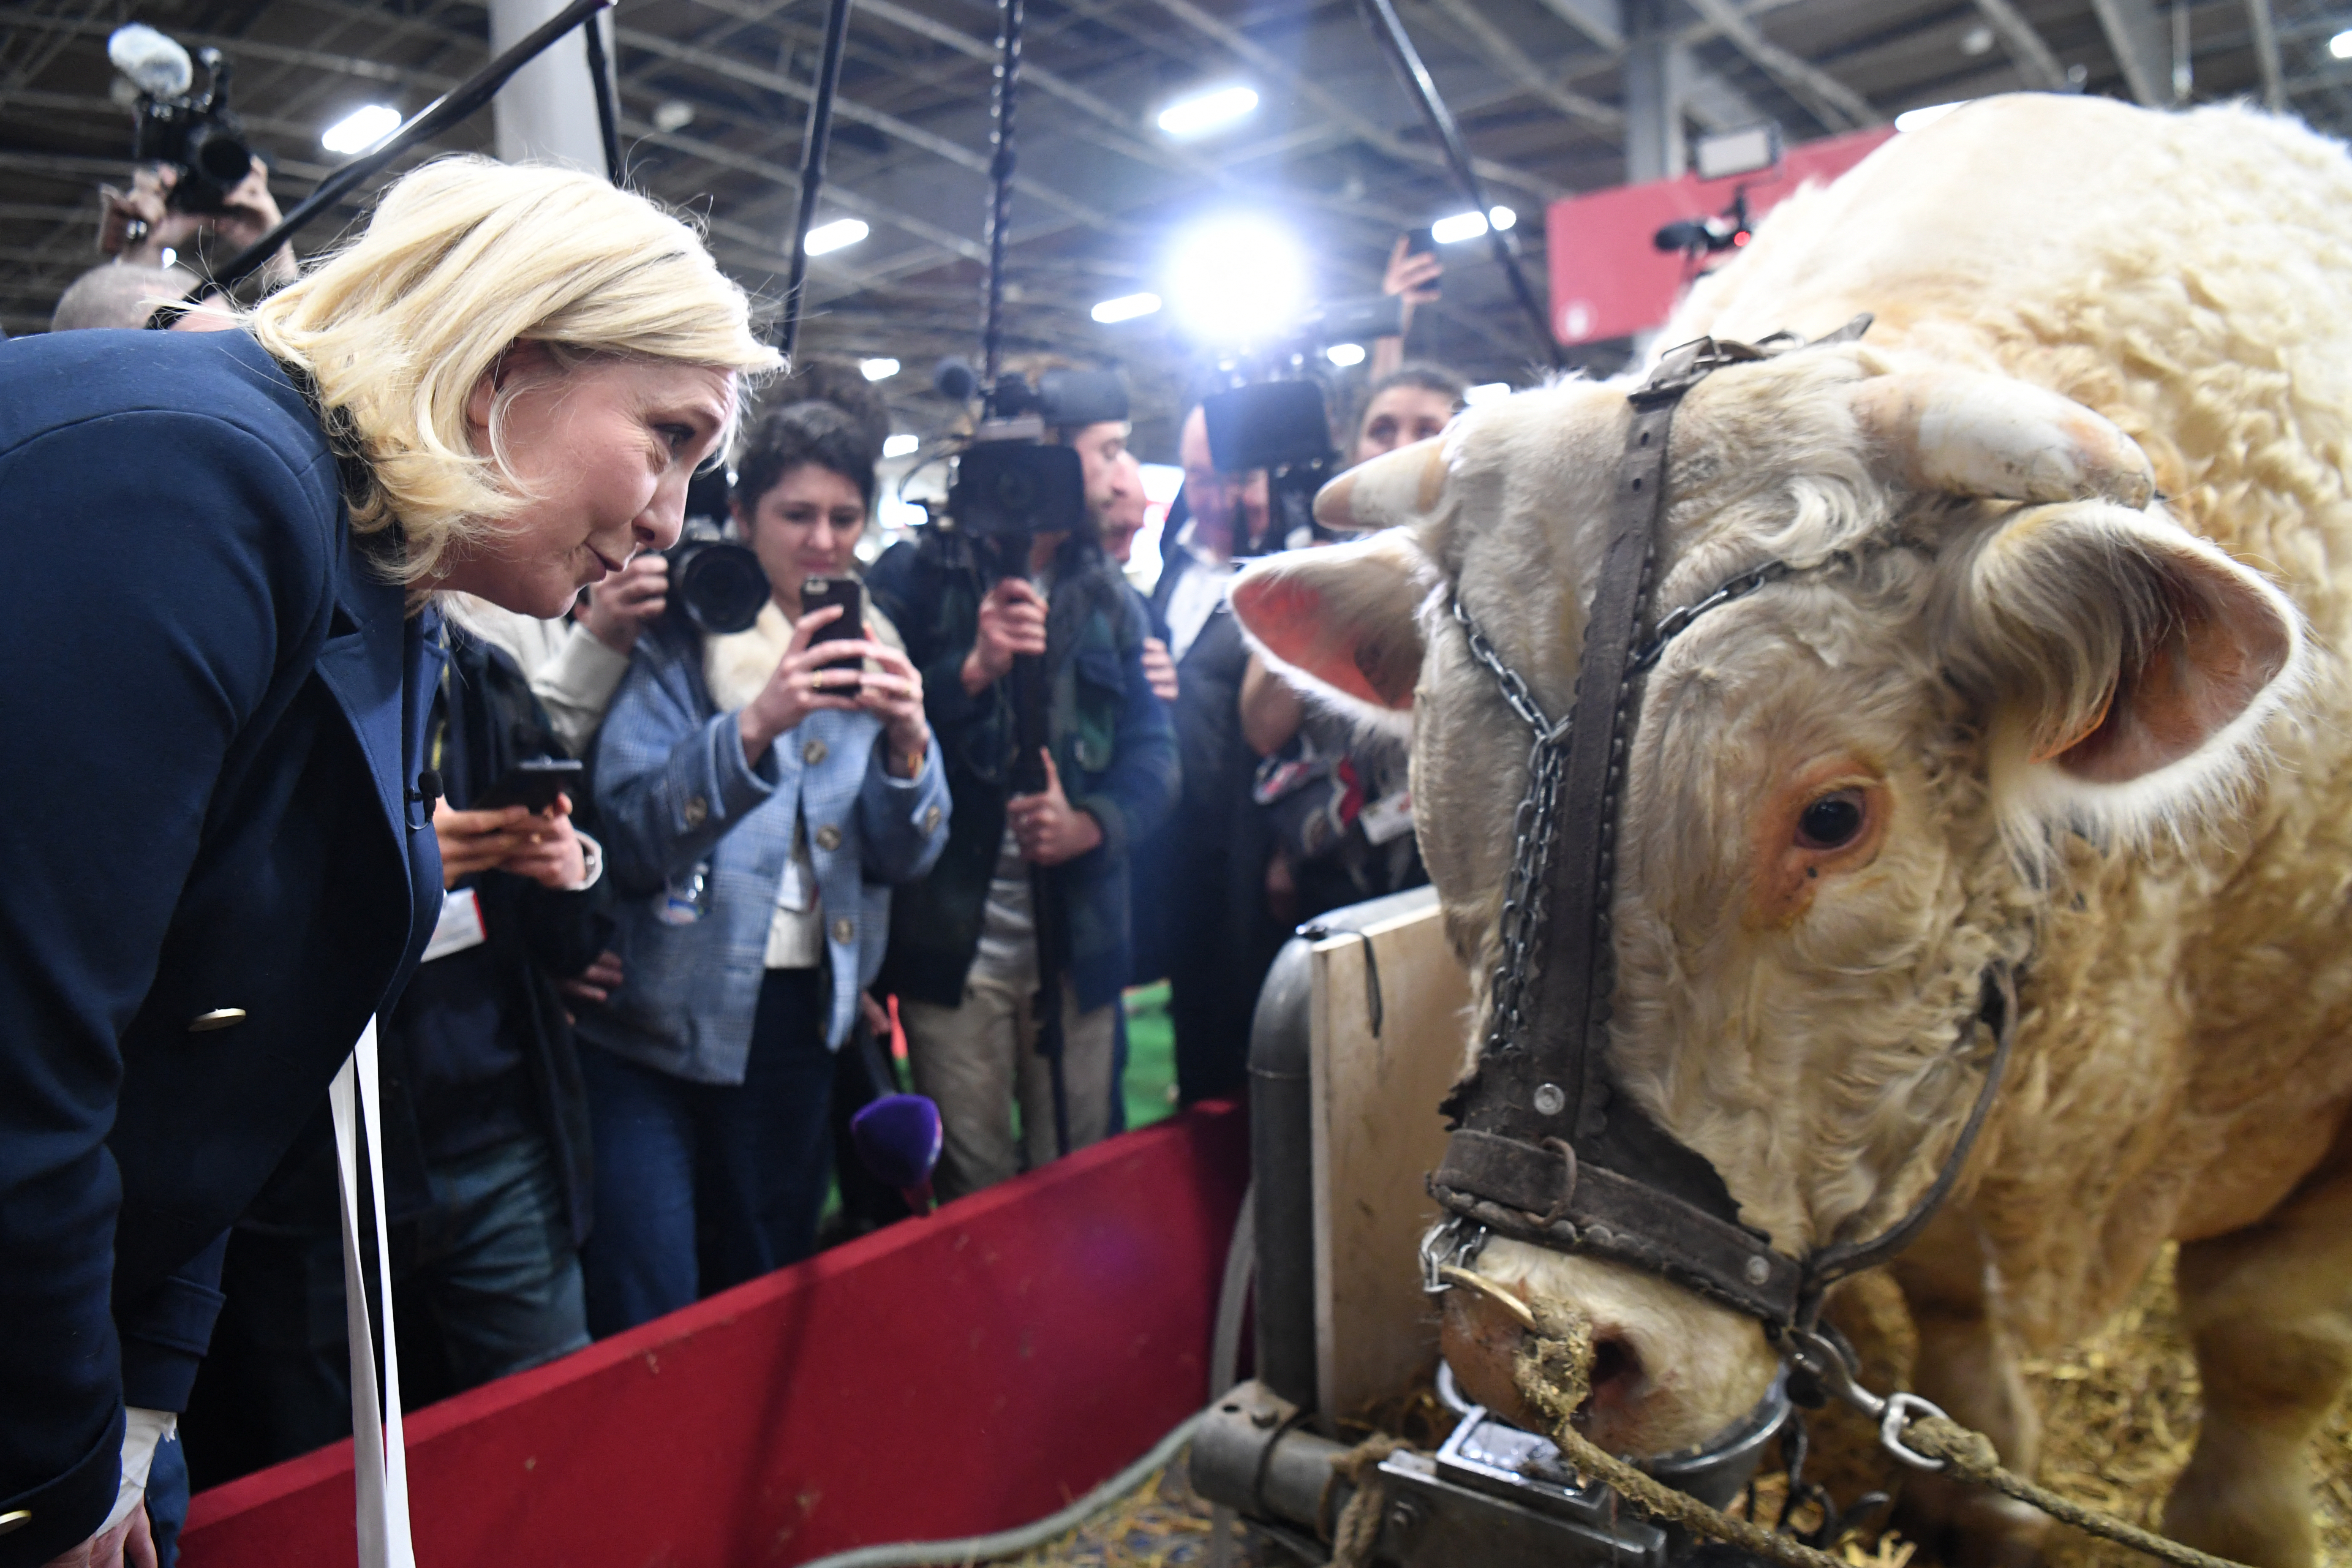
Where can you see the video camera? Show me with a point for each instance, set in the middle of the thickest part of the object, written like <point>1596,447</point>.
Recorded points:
<point>195,133</point>
<point>1009,484</point>
<point>1277,418</point>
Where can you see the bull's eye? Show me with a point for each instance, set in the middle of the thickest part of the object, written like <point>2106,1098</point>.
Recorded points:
<point>1833,821</point>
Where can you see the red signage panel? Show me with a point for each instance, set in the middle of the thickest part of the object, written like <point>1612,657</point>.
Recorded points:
<point>1608,278</point>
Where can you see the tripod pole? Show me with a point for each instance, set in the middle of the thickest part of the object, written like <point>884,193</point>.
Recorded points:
<point>815,141</point>
<point>1389,28</point>
<point>1000,190</point>
<point>608,100</point>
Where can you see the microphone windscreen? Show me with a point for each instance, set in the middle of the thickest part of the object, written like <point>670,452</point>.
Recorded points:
<point>897,1138</point>
<point>956,379</point>
<point>156,65</point>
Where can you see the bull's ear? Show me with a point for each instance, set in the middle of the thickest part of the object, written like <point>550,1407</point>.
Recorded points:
<point>2130,664</point>
<point>1394,488</point>
<point>1344,617</point>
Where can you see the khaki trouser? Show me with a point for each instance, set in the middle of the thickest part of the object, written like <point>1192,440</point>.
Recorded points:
<point>974,1059</point>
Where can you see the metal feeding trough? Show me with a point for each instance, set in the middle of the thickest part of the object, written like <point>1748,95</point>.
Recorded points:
<point>1359,1017</point>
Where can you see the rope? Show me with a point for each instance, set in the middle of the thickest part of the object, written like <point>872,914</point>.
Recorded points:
<point>1357,1529</point>
<point>1972,1458</point>
<point>1553,1373</point>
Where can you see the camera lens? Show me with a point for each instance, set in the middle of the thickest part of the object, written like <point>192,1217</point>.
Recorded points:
<point>218,156</point>
<point>722,588</point>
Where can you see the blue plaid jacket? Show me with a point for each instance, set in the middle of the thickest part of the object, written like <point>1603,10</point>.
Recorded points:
<point>672,790</point>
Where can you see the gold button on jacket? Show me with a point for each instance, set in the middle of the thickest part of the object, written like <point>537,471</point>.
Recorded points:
<point>843,931</point>
<point>218,1018</point>
<point>828,837</point>
<point>12,1522</point>
<point>815,752</point>
<point>931,819</point>
<point>696,809</point>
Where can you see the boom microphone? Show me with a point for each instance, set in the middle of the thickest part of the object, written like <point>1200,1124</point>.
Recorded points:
<point>157,66</point>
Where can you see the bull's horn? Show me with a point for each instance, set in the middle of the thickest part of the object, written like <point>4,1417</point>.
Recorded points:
<point>1968,434</point>
<point>1395,487</point>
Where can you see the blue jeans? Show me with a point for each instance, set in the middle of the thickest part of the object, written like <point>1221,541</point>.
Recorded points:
<point>485,1283</point>
<point>704,1186</point>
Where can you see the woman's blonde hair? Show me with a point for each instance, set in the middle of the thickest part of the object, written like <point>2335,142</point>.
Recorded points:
<point>463,258</point>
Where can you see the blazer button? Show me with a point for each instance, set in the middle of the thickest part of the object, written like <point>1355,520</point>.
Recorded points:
<point>930,820</point>
<point>15,1521</point>
<point>696,809</point>
<point>218,1018</point>
<point>844,932</point>
<point>828,838</point>
<point>815,752</point>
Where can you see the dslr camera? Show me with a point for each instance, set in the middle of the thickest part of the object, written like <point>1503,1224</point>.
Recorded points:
<point>715,581</point>
<point>195,133</point>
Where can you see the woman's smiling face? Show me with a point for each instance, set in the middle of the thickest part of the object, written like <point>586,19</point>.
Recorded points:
<point>601,454</point>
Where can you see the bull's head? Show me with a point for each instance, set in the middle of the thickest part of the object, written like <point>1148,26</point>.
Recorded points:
<point>1846,790</point>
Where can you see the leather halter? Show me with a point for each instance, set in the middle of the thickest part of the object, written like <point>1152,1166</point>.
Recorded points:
<point>1545,1148</point>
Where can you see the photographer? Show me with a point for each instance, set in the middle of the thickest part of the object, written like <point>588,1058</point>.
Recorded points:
<point>964,956</point>
<point>1337,795</point>
<point>760,791</point>
<point>219,856</point>
<point>1208,864</point>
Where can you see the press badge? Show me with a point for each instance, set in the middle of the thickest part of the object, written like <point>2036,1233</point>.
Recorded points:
<point>460,927</point>
<point>1390,816</point>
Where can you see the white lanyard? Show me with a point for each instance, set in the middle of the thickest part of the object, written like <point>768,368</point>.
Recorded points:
<point>380,1452</point>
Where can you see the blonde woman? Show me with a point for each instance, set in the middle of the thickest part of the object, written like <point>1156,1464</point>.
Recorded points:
<point>213,816</point>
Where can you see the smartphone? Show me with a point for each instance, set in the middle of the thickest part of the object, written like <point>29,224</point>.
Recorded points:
<point>1421,242</point>
<point>819,592</point>
<point>534,781</point>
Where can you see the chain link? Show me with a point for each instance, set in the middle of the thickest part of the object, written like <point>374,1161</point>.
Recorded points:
<point>1534,826</point>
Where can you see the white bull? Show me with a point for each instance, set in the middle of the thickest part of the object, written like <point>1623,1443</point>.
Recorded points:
<point>2062,688</point>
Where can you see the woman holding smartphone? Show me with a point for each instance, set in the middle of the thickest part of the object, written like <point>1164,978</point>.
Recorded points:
<point>758,793</point>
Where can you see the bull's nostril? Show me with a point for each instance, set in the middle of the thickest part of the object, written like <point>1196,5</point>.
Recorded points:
<point>1616,1369</point>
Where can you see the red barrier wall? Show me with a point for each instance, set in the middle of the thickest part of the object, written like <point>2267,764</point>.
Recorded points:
<point>945,1376</point>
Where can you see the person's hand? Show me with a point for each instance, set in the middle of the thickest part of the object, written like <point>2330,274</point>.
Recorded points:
<point>877,1017</point>
<point>1011,622</point>
<point>1159,669</point>
<point>473,841</point>
<point>138,225</point>
<point>807,679</point>
<point>130,1544</point>
<point>1047,828</point>
<point>894,694</point>
<point>597,982</point>
<point>627,603</point>
<point>551,854</point>
<point>128,221</point>
<point>248,211</point>
<point>1413,276</point>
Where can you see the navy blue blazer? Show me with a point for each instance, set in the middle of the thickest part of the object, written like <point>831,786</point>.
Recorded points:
<point>210,874</point>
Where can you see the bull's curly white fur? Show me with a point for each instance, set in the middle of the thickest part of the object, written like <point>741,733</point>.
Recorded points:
<point>2110,748</point>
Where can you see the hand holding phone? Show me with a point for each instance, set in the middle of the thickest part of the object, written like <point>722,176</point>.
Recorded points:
<point>828,592</point>
<point>534,783</point>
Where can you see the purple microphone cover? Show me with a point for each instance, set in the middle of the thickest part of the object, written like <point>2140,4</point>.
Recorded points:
<point>898,1137</point>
